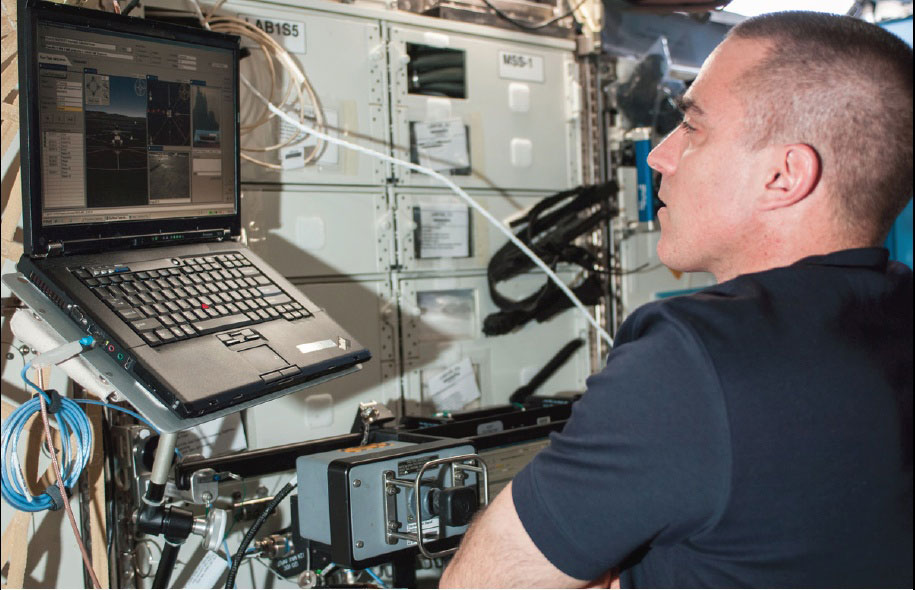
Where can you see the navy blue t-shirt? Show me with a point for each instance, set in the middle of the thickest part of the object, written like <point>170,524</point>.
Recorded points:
<point>757,433</point>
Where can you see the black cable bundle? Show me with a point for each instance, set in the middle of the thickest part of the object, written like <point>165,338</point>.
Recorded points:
<point>549,229</point>
<point>249,536</point>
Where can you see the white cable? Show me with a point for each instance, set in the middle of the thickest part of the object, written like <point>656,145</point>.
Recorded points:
<point>460,192</point>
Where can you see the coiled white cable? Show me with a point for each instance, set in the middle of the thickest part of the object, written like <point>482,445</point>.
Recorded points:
<point>296,83</point>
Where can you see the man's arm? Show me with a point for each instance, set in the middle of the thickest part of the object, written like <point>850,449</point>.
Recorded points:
<point>498,553</point>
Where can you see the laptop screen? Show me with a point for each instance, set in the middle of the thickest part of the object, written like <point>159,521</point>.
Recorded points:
<point>133,128</point>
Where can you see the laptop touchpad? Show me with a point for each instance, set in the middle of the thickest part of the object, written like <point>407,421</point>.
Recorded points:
<point>264,359</point>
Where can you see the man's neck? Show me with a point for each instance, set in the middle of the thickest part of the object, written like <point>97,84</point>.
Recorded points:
<point>773,255</point>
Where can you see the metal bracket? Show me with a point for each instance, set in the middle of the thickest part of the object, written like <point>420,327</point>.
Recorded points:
<point>459,465</point>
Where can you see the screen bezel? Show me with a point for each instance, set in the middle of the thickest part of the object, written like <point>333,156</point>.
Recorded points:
<point>95,236</point>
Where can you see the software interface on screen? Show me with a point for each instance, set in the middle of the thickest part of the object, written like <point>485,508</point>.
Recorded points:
<point>133,128</point>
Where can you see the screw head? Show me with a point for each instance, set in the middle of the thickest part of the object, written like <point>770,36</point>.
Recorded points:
<point>390,489</point>
<point>359,544</point>
<point>357,483</point>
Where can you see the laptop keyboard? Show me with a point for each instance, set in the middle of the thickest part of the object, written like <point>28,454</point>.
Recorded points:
<point>195,297</point>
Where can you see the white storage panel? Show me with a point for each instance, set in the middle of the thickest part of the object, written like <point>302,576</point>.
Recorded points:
<point>504,114</point>
<point>438,232</point>
<point>319,231</point>
<point>442,322</point>
<point>351,88</point>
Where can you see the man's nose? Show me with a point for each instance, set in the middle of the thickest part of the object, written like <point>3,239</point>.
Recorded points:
<point>663,157</point>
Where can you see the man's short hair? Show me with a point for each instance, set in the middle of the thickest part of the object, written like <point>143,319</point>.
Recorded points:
<point>844,87</point>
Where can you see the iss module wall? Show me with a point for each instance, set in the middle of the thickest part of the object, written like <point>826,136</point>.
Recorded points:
<point>401,263</point>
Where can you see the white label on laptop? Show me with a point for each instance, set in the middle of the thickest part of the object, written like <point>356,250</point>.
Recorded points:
<point>207,572</point>
<point>455,387</point>
<point>444,231</point>
<point>520,66</point>
<point>316,346</point>
<point>442,145</point>
<point>289,34</point>
<point>216,437</point>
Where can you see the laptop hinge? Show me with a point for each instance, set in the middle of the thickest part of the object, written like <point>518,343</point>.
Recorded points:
<point>55,249</point>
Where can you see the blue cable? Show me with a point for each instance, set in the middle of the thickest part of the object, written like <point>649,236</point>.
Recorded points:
<point>72,421</point>
<point>225,546</point>
<point>376,578</point>
<point>126,411</point>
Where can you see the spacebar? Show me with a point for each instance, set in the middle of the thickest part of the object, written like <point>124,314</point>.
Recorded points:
<point>223,323</point>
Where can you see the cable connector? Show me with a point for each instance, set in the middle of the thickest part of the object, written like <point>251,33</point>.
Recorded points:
<point>57,500</point>
<point>55,402</point>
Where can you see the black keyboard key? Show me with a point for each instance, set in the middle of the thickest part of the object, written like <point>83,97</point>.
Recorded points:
<point>165,334</point>
<point>166,320</point>
<point>222,310</point>
<point>178,332</point>
<point>130,314</point>
<point>117,303</point>
<point>188,330</point>
<point>269,290</point>
<point>223,323</point>
<point>146,325</point>
<point>253,315</point>
<point>249,271</point>
<point>161,309</point>
<point>148,310</point>
<point>277,299</point>
<point>272,312</point>
<point>151,338</point>
<point>92,282</point>
<point>82,273</point>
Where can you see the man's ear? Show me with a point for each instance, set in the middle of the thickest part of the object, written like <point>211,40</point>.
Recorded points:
<point>794,175</point>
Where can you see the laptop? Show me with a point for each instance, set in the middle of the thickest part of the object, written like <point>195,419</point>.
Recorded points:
<point>130,185</point>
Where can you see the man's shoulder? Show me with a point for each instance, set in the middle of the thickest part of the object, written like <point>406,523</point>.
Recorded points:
<point>690,314</point>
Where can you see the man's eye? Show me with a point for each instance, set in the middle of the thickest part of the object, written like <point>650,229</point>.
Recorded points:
<point>687,127</point>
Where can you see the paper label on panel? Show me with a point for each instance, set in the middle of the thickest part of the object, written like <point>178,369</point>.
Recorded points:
<point>520,66</point>
<point>216,437</point>
<point>455,387</point>
<point>289,34</point>
<point>303,143</point>
<point>441,145</point>
<point>430,528</point>
<point>444,231</point>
